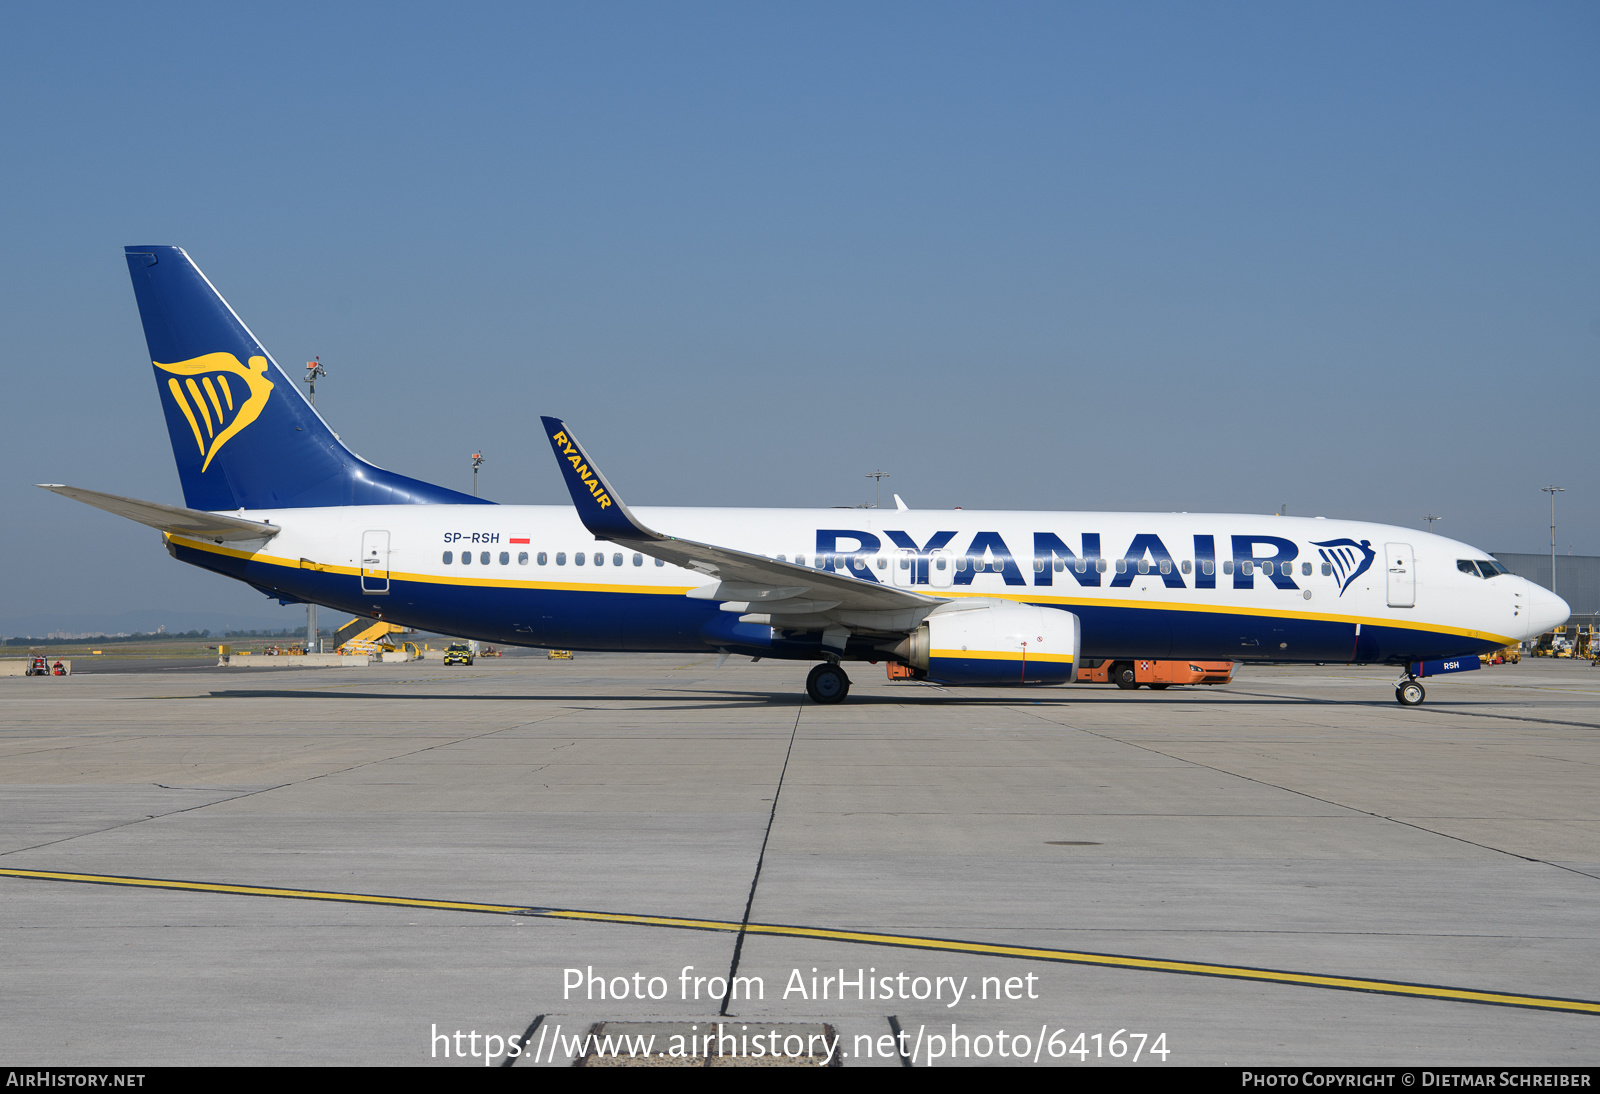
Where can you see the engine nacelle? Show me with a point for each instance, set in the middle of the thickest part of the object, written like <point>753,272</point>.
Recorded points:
<point>996,642</point>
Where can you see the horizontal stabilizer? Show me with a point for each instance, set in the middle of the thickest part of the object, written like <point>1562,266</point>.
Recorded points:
<point>169,518</point>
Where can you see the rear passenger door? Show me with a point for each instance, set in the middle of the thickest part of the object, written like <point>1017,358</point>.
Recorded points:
<point>375,562</point>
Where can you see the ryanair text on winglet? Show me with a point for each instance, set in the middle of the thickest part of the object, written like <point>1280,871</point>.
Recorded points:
<point>582,470</point>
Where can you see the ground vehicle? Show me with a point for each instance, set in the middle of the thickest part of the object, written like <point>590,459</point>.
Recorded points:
<point>558,655</point>
<point>458,653</point>
<point>1509,655</point>
<point>1157,675</point>
<point>36,667</point>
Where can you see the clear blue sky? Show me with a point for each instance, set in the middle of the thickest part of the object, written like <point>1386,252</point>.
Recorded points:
<point>1052,256</point>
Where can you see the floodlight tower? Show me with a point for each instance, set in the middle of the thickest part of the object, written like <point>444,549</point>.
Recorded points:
<point>1552,491</point>
<point>314,369</point>
<point>477,462</point>
<point>878,490</point>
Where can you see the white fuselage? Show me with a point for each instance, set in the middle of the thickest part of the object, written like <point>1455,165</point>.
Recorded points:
<point>1146,584</point>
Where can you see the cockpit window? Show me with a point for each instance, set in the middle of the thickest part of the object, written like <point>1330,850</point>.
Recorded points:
<point>1467,566</point>
<point>1490,568</point>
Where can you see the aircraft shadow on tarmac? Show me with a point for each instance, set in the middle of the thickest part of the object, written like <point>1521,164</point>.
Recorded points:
<point>734,699</point>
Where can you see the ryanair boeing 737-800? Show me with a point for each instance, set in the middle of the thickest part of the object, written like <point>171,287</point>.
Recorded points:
<point>966,597</point>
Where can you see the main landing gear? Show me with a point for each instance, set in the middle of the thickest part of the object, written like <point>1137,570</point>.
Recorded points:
<point>1409,692</point>
<point>827,684</point>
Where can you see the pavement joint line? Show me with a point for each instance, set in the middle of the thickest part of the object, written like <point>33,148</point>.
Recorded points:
<point>1107,735</point>
<point>761,857</point>
<point>869,938</point>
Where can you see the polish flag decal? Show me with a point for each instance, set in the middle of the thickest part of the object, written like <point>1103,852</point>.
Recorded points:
<point>519,539</point>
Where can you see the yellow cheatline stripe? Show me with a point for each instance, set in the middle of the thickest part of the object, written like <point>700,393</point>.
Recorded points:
<point>1021,598</point>
<point>429,579</point>
<point>870,938</point>
<point>1000,655</point>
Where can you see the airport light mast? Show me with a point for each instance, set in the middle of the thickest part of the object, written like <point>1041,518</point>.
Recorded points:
<point>877,502</point>
<point>477,462</point>
<point>1552,491</point>
<point>314,369</point>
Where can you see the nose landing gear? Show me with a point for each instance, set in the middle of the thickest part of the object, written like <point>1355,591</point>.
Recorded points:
<point>1409,692</point>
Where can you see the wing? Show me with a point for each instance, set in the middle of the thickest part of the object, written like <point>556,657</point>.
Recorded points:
<point>170,518</point>
<point>779,593</point>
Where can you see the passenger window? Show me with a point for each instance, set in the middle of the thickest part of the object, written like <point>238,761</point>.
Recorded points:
<point>883,564</point>
<point>1060,566</point>
<point>1144,565</point>
<point>1208,567</point>
<point>1227,566</point>
<point>505,558</point>
<point>1247,567</point>
<point>522,558</point>
<point>1188,567</point>
<point>1099,565</point>
<point>579,558</point>
<point>938,564</point>
<point>905,564</point>
<point>782,559</point>
<point>1038,565</point>
<point>466,558</point>
<point>449,557</point>
<point>544,558</point>
<point>483,557</point>
<point>1266,568</point>
<point>616,559</point>
<point>961,564</point>
<point>1327,569</point>
<point>1081,565</point>
<point>1166,567</point>
<point>660,563</point>
<point>638,559</point>
<point>1305,569</point>
<point>599,559</point>
<point>1122,565</point>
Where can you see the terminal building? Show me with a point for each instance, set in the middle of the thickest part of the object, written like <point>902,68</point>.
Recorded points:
<point>1577,580</point>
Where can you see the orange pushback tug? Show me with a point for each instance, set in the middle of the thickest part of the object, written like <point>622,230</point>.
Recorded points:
<point>1156,674</point>
<point>1126,674</point>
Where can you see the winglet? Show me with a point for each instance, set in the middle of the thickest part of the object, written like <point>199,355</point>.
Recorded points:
<point>601,511</point>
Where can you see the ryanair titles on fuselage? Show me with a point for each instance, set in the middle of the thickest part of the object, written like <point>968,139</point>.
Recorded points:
<point>1244,557</point>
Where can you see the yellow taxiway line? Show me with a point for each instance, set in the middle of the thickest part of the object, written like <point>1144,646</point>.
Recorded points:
<point>869,938</point>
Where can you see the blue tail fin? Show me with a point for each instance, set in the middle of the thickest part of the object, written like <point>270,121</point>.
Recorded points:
<point>243,435</point>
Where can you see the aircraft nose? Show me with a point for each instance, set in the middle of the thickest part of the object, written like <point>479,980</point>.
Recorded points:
<point>1546,610</point>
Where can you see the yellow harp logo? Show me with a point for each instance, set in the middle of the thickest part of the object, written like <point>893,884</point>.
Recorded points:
<point>212,400</point>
